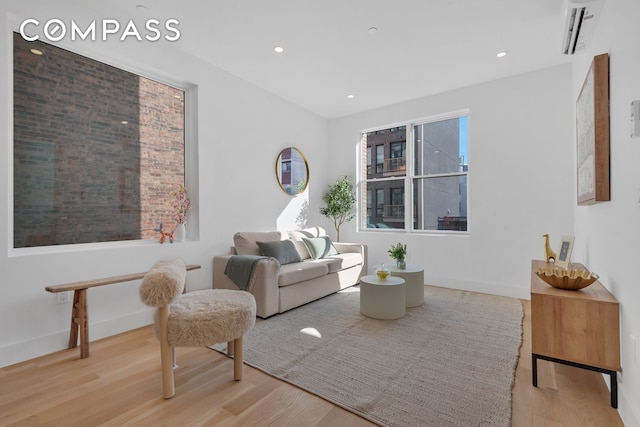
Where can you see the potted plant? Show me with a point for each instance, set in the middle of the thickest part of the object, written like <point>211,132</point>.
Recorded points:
<point>399,253</point>
<point>340,200</point>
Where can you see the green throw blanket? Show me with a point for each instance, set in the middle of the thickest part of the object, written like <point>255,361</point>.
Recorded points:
<point>240,267</point>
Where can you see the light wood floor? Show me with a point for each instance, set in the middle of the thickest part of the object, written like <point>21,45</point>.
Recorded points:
<point>119,385</point>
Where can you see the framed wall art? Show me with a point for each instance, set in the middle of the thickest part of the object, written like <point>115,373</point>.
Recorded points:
<point>592,134</point>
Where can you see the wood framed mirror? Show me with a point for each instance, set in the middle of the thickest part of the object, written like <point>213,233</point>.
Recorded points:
<point>292,171</point>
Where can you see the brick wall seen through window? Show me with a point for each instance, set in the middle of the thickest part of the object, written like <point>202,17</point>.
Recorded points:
<point>97,150</point>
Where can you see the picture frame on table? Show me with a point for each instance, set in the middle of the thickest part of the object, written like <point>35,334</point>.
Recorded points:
<point>592,134</point>
<point>564,254</point>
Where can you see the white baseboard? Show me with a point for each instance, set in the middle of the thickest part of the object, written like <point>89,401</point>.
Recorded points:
<point>25,350</point>
<point>627,408</point>
<point>474,286</point>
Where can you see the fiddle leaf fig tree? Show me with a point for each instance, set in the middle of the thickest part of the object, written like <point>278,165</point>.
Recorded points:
<point>340,200</point>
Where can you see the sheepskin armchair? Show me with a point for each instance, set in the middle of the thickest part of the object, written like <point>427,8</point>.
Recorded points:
<point>194,319</point>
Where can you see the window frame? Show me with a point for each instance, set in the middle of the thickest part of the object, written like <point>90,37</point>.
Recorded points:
<point>410,176</point>
<point>191,172</point>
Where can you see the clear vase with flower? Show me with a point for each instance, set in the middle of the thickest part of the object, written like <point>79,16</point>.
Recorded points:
<point>181,205</point>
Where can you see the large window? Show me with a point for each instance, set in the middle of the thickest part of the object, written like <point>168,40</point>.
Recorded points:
<point>437,180</point>
<point>98,151</point>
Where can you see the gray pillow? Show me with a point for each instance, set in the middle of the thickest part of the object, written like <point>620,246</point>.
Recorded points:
<point>319,247</point>
<point>282,250</point>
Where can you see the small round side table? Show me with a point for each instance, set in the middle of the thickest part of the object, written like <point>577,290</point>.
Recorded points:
<point>414,277</point>
<point>383,298</point>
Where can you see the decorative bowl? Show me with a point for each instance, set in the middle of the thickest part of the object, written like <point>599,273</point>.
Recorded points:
<point>571,279</point>
<point>383,272</point>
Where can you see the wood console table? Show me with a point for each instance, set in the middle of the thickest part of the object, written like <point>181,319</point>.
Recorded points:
<point>80,310</point>
<point>576,328</point>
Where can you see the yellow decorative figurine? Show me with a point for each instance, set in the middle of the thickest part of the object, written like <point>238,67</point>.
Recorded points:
<point>549,254</point>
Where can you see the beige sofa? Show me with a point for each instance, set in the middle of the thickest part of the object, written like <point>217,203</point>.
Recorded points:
<point>280,287</point>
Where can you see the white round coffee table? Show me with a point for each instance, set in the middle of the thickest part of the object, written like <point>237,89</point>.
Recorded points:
<point>414,278</point>
<point>383,298</point>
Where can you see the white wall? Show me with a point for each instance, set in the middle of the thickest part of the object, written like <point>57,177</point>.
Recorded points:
<point>608,234</point>
<point>520,180</point>
<point>241,129</point>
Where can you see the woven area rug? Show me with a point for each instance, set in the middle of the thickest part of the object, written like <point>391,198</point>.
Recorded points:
<point>450,362</point>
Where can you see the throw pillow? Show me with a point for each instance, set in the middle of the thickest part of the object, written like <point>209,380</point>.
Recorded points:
<point>282,250</point>
<point>319,247</point>
<point>245,241</point>
<point>296,238</point>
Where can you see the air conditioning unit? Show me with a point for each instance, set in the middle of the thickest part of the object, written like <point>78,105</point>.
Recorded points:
<point>580,23</point>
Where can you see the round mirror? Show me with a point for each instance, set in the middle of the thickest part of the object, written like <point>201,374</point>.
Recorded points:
<point>292,171</point>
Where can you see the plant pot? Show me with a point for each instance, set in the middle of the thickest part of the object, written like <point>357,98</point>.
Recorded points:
<point>180,234</point>
<point>401,264</point>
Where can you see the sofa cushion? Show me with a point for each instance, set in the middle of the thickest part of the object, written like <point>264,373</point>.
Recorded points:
<point>300,271</point>
<point>340,261</point>
<point>282,250</point>
<point>245,241</point>
<point>319,247</point>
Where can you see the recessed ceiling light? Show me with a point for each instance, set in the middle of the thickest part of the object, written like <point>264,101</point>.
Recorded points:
<point>278,49</point>
<point>502,54</point>
<point>351,96</point>
<point>36,51</point>
<point>124,122</point>
<point>372,30</point>
<point>140,6</point>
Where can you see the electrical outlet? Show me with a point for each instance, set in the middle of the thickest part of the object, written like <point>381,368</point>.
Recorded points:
<point>64,297</point>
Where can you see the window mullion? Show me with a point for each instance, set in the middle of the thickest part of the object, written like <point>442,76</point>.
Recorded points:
<point>441,175</point>
<point>408,179</point>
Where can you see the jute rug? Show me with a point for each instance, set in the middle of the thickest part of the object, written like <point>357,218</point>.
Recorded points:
<point>450,362</point>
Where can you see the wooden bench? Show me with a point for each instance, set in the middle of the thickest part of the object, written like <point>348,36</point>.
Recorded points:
<point>80,311</point>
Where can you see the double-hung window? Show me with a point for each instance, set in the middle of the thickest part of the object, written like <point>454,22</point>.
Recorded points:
<point>420,186</point>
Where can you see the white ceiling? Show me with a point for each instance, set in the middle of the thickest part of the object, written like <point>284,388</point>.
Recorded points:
<point>422,47</point>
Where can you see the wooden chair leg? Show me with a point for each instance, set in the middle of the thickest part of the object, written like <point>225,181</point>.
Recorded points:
<point>230,348</point>
<point>237,359</point>
<point>166,355</point>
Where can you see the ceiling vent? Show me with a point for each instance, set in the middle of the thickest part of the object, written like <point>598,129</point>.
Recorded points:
<point>580,22</point>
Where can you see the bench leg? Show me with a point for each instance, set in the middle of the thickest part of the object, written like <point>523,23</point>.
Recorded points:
<point>80,322</point>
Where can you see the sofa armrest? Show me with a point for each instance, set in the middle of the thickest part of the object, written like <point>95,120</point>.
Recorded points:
<point>360,248</point>
<point>263,283</point>
<point>220,280</point>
